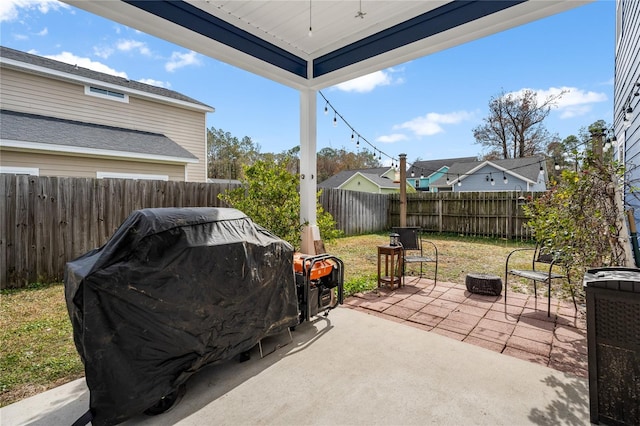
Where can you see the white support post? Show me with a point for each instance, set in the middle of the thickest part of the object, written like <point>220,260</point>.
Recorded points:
<point>308,170</point>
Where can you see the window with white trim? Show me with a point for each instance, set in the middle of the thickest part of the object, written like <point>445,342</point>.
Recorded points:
<point>138,176</point>
<point>103,93</point>
<point>32,171</point>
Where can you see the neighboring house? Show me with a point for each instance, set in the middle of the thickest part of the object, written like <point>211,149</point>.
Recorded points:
<point>515,174</point>
<point>626,120</point>
<point>422,174</point>
<point>380,180</point>
<point>64,120</point>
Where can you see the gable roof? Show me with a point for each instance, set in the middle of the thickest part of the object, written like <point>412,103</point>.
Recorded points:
<point>342,177</point>
<point>433,166</point>
<point>379,181</point>
<point>38,132</point>
<point>55,69</point>
<point>526,169</point>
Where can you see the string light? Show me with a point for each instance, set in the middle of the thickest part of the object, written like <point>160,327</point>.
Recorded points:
<point>395,161</point>
<point>310,30</point>
<point>627,110</point>
<point>354,132</point>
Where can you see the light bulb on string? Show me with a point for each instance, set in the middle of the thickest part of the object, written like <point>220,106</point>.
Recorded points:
<point>504,178</point>
<point>335,120</point>
<point>326,108</point>
<point>628,114</point>
<point>310,30</point>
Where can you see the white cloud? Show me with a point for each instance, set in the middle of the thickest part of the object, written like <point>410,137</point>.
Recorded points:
<point>129,45</point>
<point>156,83</point>
<point>392,138</point>
<point>368,82</point>
<point>431,123</point>
<point>9,9</point>
<point>180,60</point>
<point>72,59</point>
<point>574,102</point>
<point>102,51</point>
<point>44,32</point>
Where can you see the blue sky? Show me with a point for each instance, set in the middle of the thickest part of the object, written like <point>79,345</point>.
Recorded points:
<point>425,108</point>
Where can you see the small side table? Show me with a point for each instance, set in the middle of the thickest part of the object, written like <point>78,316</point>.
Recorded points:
<point>392,266</point>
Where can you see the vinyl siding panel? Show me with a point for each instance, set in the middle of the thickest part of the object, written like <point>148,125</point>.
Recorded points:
<point>627,73</point>
<point>73,166</point>
<point>37,94</point>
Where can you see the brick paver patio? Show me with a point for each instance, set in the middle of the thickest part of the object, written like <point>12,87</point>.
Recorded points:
<point>519,328</point>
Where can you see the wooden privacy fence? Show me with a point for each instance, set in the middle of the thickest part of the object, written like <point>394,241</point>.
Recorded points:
<point>48,221</point>
<point>355,212</point>
<point>491,214</point>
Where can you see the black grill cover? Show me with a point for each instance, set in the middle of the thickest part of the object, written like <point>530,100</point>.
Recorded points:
<point>174,289</point>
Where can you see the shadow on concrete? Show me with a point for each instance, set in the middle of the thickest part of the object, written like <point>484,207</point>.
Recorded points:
<point>218,379</point>
<point>568,407</point>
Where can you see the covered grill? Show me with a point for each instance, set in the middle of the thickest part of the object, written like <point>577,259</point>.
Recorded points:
<point>173,290</point>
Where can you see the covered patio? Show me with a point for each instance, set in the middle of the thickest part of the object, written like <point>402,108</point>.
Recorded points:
<point>315,44</point>
<point>377,360</point>
<point>437,355</point>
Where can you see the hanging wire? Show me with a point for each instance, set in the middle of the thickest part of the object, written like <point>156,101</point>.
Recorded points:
<point>354,132</point>
<point>411,166</point>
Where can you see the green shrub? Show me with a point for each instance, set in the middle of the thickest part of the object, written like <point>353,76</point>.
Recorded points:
<point>269,196</point>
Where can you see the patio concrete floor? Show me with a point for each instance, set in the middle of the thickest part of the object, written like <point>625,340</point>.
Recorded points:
<point>519,328</point>
<point>498,364</point>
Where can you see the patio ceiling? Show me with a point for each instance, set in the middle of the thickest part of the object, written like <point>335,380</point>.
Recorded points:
<point>350,38</point>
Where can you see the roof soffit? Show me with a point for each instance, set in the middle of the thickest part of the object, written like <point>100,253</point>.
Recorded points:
<point>270,38</point>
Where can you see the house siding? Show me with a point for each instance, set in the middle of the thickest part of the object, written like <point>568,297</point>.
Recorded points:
<point>72,166</point>
<point>627,73</point>
<point>477,182</point>
<point>361,184</point>
<point>36,94</point>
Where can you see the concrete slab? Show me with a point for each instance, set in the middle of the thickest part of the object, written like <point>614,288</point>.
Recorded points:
<point>352,369</point>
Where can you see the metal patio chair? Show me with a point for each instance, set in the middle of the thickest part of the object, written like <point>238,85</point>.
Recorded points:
<point>413,250</point>
<point>545,268</point>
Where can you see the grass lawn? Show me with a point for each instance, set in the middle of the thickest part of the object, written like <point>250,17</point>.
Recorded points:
<point>38,352</point>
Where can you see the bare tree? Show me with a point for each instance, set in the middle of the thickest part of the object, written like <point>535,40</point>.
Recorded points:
<point>514,126</point>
